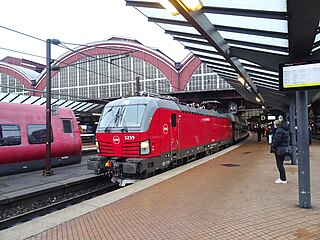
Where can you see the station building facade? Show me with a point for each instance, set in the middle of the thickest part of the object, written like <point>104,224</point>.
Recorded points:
<point>110,69</point>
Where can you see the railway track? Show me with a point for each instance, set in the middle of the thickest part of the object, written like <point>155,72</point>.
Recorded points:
<point>24,208</point>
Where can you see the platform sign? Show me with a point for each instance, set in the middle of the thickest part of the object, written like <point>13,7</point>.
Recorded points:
<point>299,75</point>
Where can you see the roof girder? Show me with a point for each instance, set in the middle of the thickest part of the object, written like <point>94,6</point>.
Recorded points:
<point>201,23</point>
<point>268,60</point>
<point>301,38</point>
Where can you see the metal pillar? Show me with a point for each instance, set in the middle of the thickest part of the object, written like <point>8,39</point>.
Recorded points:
<point>292,114</point>
<point>48,171</point>
<point>303,150</point>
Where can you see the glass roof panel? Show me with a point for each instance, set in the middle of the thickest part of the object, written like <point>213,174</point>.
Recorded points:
<point>2,95</point>
<point>199,46</point>
<point>248,62</point>
<point>212,62</point>
<point>206,54</point>
<point>218,71</point>
<point>89,107</point>
<point>273,25</point>
<point>64,103</point>
<point>40,101</point>
<point>255,39</point>
<point>178,28</point>
<point>265,80</point>
<point>73,104</point>
<point>79,106</point>
<point>258,70</point>
<point>9,98</point>
<point>266,5</point>
<point>31,100</point>
<point>84,106</point>
<point>263,76</point>
<point>160,13</point>
<point>189,38</point>
<point>60,102</point>
<point>20,98</point>
<point>259,49</point>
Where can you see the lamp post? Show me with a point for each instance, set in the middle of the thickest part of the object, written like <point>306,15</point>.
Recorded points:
<point>48,171</point>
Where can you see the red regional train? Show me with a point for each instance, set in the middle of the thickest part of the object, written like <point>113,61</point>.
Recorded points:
<point>23,138</point>
<point>140,136</point>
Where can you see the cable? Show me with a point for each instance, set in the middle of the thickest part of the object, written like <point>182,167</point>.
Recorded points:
<point>84,55</point>
<point>29,54</point>
<point>110,62</point>
<point>24,34</point>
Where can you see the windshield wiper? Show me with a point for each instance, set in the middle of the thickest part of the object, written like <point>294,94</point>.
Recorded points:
<point>125,129</point>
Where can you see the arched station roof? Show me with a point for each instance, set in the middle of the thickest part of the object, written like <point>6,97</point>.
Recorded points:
<point>24,75</point>
<point>178,76</point>
<point>124,46</point>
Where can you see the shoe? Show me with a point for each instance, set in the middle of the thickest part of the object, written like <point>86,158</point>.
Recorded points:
<point>280,181</point>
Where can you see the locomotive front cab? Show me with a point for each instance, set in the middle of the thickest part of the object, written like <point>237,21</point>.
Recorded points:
<point>124,138</point>
<point>123,128</point>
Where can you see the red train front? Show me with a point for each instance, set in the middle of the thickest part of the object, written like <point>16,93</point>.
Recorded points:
<point>139,136</point>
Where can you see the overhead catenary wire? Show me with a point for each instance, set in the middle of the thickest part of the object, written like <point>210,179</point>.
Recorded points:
<point>84,45</point>
<point>110,62</point>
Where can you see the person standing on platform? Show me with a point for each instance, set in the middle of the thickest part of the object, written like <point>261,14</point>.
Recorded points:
<point>280,138</point>
<point>259,132</point>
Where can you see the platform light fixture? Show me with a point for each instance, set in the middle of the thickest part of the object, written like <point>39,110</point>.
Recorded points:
<point>258,99</point>
<point>188,5</point>
<point>240,79</point>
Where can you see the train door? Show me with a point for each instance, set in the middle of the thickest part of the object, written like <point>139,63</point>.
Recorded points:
<point>175,138</point>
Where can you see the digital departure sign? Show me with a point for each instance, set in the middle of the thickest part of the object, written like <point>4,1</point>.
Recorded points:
<point>299,76</point>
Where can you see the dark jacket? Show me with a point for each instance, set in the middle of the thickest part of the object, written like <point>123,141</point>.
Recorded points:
<point>280,137</point>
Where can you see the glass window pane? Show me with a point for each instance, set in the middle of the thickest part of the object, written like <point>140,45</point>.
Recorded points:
<point>37,134</point>
<point>66,125</point>
<point>10,135</point>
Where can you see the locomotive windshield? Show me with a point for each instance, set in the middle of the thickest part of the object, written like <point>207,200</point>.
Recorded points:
<point>121,117</point>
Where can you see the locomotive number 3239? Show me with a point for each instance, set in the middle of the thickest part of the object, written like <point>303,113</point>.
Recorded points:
<point>128,137</point>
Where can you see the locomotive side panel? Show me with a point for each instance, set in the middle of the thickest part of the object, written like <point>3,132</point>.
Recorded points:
<point>171,134</point>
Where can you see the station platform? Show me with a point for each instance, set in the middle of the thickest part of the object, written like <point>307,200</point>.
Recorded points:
<point>16,185</point>
<point>228,195</point>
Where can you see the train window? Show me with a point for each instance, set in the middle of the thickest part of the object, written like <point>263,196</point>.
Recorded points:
<point>37,134</point>
<point>173,120</point>
<point>66,125</point>
<point>10,135</point>
<point>122,116</point>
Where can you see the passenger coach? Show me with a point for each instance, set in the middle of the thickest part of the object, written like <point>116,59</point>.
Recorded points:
<point>23,138</point>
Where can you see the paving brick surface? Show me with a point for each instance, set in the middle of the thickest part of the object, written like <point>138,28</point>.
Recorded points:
<point>230,197</point>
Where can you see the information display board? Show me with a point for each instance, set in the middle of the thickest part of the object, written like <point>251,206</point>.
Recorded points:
<point>299,76</point>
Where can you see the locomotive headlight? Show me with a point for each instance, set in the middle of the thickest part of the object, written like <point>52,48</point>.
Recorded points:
<point>144,147</point>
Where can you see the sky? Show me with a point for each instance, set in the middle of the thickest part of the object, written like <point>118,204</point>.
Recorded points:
<point>78,22</point>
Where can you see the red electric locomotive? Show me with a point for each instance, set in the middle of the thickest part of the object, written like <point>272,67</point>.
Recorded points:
<point>139,136</point>
<point>23,138</point>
